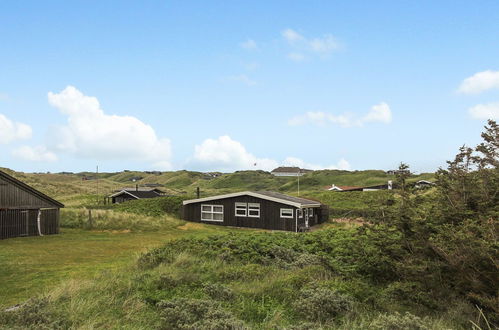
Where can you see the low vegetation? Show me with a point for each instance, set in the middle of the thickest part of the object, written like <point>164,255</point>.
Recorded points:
<point>422,260</point>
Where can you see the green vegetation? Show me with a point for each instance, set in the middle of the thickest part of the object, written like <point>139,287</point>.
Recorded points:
<point>422,260</point>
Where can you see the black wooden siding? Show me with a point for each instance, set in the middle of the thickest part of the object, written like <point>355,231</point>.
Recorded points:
<point>269,214</point>
<point>14,223</point>
<point>19,205</point>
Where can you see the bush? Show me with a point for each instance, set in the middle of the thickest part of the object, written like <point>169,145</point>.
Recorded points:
<point>398,321</point>
<point>322,305</point>
<point>218,291</point>
<point>196,314</point>
<point>36,313</point>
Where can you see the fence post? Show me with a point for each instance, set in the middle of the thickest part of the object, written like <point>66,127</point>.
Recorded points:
<point>90,223</point>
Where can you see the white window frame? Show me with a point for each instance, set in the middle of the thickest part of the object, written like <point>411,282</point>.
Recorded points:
<point>241,207</point>
<point>287,216</point>
<point>212,212</point>
<point>300,213</point>
<point>254,207</point>
<point>311,212</point>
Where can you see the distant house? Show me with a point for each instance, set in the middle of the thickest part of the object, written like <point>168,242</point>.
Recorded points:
<point>387,186</point>
<point>423,184</point>
<point>289,171</point>
<point>344,188</point>
<point>261,209</point>
<point>128,194</point>
<point>25,211</point>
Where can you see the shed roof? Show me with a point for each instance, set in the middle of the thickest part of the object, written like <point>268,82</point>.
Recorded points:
<point>268,195</point>
<point>29,189</point>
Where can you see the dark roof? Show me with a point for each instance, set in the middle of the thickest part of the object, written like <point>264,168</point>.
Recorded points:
<point>30,189</point>
<point>269,195</point>
<point>286,197</point>
<point>131,189</point>
<point>138,194</point>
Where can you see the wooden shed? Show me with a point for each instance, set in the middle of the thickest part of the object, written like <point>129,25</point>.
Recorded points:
<point>263,209</point>
<point>25,211</point>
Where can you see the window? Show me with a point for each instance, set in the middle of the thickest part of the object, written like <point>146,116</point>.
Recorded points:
<point>311,212</point>
<point>286,213</point>
<point>212,213</point>
<point>241,209</point>
<point>300,213</point>
<point>254,210</point>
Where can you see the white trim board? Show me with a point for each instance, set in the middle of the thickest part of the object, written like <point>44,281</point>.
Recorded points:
<point>253,194</point>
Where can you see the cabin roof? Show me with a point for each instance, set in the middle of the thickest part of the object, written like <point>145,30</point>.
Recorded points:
<point>139,194</point>
<point>29,189</point>
<point>140,189</point>
<point>268,195</point>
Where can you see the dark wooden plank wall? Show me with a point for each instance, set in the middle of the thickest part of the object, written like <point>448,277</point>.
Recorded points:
<point>269,214</point>
<point>19,222</point>
<point>12,196</point>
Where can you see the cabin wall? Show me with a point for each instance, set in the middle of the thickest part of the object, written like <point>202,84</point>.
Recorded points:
<point>12,196</point>
<point>24,222</point>
<point>269,214</point>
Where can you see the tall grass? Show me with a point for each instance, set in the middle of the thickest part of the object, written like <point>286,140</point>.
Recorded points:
<point>113,220</point>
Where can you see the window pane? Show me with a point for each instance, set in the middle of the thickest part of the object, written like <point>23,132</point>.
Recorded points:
<point>206,207</point>
<point>206,215</point>
<point>254,212</point>
<point>218,208</point>
<point>218,216</point>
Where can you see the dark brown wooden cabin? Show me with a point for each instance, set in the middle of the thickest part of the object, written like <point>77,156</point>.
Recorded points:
<point>135,193</point>
<point>264,209</point>
<point>24,211</point>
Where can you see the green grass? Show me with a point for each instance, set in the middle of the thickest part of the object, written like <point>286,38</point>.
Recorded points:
<point>31,265</point>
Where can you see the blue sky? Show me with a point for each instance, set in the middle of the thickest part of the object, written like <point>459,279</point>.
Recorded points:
<point>225,85</point>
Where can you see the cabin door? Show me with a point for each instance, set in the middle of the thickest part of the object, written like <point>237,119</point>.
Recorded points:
<point>24,222</point>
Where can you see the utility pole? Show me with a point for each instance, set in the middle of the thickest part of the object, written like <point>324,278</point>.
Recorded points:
<point>299,181</point>
<point>97,178</point>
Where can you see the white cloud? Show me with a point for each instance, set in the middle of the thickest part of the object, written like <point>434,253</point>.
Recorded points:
<point>321,46</point>
<point>249,44</point>
<point>297,57</point>
<point>378,113</point>
<point>225,154</point>
<point>12,131</point>
<point>480,82</point>
<point>90,133</point>
<point>293,161</point>
<point>242,78</point>
<point>291,35</point>
<point>485,111</point>
<point>36,154</point>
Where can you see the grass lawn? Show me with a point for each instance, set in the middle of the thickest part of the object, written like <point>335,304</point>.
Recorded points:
<point>31,265</point>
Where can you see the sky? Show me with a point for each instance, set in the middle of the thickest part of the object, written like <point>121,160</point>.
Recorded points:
<point>236,85</point>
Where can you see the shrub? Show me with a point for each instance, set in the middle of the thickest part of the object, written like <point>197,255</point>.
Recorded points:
<point>322,304</point>
<point>36,313</point>
<point>193,314</point>
<point>398,321</point>
<point>218,291</point>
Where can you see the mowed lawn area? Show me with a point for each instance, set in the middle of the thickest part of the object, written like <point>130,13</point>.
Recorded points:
<point>31,265</point>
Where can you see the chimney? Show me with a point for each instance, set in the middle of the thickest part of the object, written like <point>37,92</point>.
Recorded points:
<point>197,192</point>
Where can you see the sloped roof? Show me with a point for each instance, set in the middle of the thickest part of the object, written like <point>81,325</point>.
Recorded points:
<point>137,194</point>
<point>30,189</point>
<point>268,195</point>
